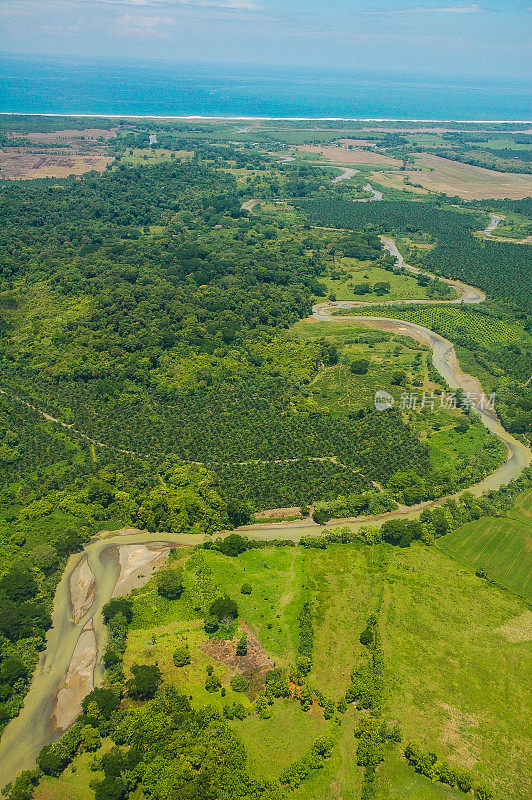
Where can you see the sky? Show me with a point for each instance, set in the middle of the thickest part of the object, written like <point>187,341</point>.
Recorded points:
<point>444,37</point>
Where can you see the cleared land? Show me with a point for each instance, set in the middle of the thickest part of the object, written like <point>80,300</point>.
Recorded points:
<point>342,155</point>
<point>468,181</point>
<point>18,164</point>
<point>500,547</point>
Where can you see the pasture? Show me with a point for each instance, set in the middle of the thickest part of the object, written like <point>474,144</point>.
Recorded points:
<point>499,546</point>
<point>468,181</point>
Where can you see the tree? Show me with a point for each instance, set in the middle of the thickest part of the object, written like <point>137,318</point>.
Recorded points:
<point>45,558</point>
<point>321,516</point>
<point>181,656</point>
<point>118,605</point>
<point>12,670</point>
<point>169,584</point>
<point>106,702</point>
<point>145,681</point>
<point>239,683</point>
<point>223,608</point>
<point>110,789</point>
<point>18,584</point>
<point>360,366</point>
<point>238,512</point>
<point>90,738</point>
<point>242,646</point>
<point>233,545</point>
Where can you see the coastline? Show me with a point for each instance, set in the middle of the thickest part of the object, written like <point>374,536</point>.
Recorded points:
<point>243,118</point>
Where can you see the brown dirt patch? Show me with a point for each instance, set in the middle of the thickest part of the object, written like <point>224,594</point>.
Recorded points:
<point>254,665</point>
<point>69,136</point>
<point>468,181</point>
<point>280,513</point>
<point>341,155</point>
<point>18,164</point>
<point>518,629</point>
<point>456,733</point>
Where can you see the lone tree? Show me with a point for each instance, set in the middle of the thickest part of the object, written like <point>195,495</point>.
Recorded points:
<point>169,584</point>
<point>223,608</point>
<point>233,545</point>
<point>360,366</point>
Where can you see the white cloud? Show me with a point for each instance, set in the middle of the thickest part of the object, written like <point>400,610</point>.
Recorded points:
<point>233,5</point>
<point>470,8</point>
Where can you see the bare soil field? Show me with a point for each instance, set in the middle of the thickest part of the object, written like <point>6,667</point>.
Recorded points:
<point>342,155</point>
<point>468,181</point>
<point>69,136</point>
<point>18,164</point>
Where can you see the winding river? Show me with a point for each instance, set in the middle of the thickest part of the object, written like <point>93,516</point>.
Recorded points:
<point>71,664</point>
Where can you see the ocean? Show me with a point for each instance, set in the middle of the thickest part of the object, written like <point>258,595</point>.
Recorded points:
<point>42,85</point>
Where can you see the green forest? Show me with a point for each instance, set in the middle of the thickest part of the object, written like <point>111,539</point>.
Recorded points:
<point>162,370</point>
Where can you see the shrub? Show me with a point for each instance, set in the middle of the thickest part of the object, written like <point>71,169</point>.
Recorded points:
<point>233,545</point>
<point>211,624</point>
<point>277,683</point>
<point>212,683</point>
<point>366,637</point>
<point>169,584</point>
<point>245,588</point>
<point>360,366</point>
<point>118,605</point>
<point>242,646</point>
<point>223,608</point>
<point>239,683</point>
<point>181,656</point>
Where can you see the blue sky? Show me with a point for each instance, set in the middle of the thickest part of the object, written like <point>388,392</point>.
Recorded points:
<point>446,37</point>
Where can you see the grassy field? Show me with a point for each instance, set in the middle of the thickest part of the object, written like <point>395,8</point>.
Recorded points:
<point>402,287</point>
<point>396,780</point>
<point>468,181</point>
<point>449,446</point>
<point>455,675</point>
<point>457,684</point>
<point>73,784</point>
<point>337,387</point>
<point>272,744</point>
<point>341,155</point>
<point>501,547</point>
<point>155,155</point>
<point>343,585</point>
